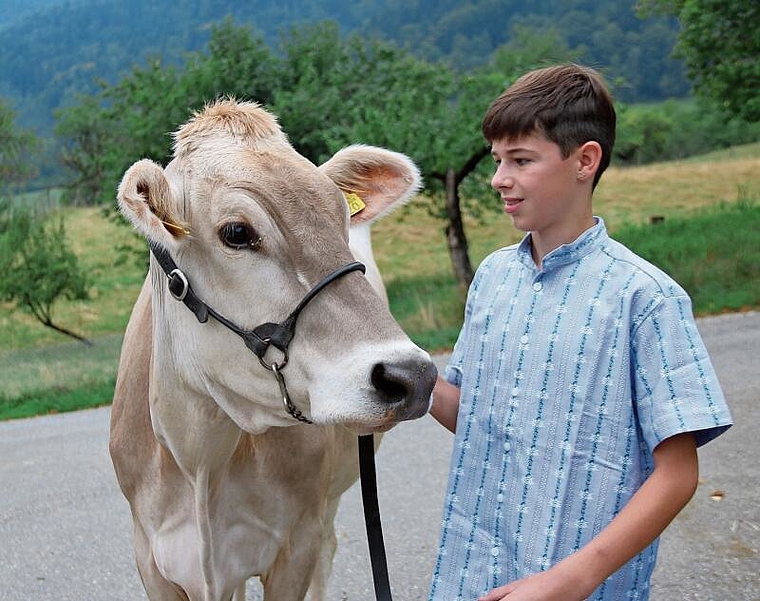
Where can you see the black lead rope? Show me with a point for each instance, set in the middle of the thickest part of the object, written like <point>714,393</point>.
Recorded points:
<point>372,518</point>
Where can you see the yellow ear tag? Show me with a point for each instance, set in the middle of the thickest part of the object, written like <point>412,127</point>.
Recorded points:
<point>355,204</point>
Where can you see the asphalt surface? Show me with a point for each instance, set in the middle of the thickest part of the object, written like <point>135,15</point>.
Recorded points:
<point>65,529</point>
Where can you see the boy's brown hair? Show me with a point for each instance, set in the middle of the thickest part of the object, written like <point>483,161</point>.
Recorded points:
<point>569,104</point>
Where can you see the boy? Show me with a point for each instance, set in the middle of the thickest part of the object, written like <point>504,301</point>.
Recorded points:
<point>579,387</point>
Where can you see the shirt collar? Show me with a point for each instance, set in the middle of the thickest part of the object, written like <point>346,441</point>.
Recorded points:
<point>591,239</point>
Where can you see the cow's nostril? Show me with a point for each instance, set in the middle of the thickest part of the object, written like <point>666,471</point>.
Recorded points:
<point>394,382</point>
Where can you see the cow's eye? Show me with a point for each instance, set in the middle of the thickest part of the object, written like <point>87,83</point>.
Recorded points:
<point>239,236</point>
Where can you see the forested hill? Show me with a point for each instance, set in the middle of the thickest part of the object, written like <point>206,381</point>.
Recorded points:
<point>52,50</point>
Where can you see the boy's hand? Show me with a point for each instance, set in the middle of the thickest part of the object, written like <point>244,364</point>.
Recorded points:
<point>544,586</point>
<point>664,493</point>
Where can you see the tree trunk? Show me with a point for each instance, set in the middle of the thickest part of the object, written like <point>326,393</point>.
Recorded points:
<point>455,236</point>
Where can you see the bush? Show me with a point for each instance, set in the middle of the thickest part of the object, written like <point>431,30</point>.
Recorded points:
<point>36,266</point>
<point>675,129</point>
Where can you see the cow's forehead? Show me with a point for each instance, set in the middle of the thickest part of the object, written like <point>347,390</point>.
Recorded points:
<point>233,161</point>
<point>281,180</point>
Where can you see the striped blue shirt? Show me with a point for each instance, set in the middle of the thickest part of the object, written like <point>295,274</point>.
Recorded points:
<point>570,376</point>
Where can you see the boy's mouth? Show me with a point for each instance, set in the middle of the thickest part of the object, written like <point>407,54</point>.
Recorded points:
<point>511,204</point>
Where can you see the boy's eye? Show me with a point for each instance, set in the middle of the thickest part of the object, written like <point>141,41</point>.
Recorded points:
<point>520,161</point>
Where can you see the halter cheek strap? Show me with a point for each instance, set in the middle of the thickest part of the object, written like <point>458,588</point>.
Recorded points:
<point>260,338</point>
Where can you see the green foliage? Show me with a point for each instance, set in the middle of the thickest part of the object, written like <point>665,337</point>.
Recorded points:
<point>331,91</point>
<point>36,266</point>
<point>337,91</point>
<point>53,51</point>
<point>720,47</point>
<point>720,44</point>
<point>676,129</point>
<point>85,133</point>
<point>15,146</point>
<point>134,118</point>
<point>530,48</point>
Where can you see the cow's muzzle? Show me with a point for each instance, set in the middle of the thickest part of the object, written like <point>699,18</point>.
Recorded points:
<point>405,387</point>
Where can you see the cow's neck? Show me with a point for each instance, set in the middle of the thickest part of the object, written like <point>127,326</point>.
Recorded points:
<point>184,422</point>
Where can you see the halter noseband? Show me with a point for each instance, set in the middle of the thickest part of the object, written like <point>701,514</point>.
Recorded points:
<point>260,338</point>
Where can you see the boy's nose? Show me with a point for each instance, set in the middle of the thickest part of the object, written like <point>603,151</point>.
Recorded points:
<point>501,180</point>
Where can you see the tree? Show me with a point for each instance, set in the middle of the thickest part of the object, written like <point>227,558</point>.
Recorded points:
<point>15,146</point>
<point>339,91</point>
<point>86,134</point>
<point>134,118</point>
<point>434,114</point>
<point>36,266</point>
<point>720,45</point>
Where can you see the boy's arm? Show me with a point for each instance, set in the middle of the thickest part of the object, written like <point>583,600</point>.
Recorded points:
<point>664,493</point>
<point>445,406</point>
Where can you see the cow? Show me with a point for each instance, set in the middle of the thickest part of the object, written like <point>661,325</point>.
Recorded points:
<point>233,463</point>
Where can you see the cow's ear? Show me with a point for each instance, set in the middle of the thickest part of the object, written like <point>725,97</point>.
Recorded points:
<point>380,178</point>
<point>145,199</point>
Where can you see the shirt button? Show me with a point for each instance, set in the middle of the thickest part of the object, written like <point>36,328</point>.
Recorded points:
<point>515,391</point>
<point>495,551</point>
<point>500,497</point>
<point>507,446</point>
<point>524,339</point>
<point>537,286</point>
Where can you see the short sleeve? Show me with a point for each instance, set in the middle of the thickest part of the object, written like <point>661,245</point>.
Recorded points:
<point>453,372</point>
<point>675,386</point>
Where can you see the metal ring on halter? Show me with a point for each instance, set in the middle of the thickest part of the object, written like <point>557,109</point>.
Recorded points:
<point>274,366</point>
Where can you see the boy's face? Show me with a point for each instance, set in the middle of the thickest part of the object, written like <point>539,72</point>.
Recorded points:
<point>541,191</point>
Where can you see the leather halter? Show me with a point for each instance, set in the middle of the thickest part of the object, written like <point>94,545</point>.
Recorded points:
<point>279,335</point>
<point>260,338</point>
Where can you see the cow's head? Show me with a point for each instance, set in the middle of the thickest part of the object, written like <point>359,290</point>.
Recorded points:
<point>254,226</point>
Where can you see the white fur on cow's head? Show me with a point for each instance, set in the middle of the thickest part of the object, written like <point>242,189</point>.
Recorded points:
<point>233,166</point>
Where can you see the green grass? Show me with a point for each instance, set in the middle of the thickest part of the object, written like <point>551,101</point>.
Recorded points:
<point>59,377</point>
<point>429,308</point>
<point>714,255</point>
<point>708,242</point>
<point>43,401</point>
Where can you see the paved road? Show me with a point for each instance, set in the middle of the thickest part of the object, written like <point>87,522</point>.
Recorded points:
<point>65,531</point>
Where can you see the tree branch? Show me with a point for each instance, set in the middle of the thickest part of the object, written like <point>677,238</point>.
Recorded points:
<point>472,163</point>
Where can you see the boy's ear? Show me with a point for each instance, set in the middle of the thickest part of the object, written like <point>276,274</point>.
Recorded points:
<point>589,158</point>
<point>375,179</point>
